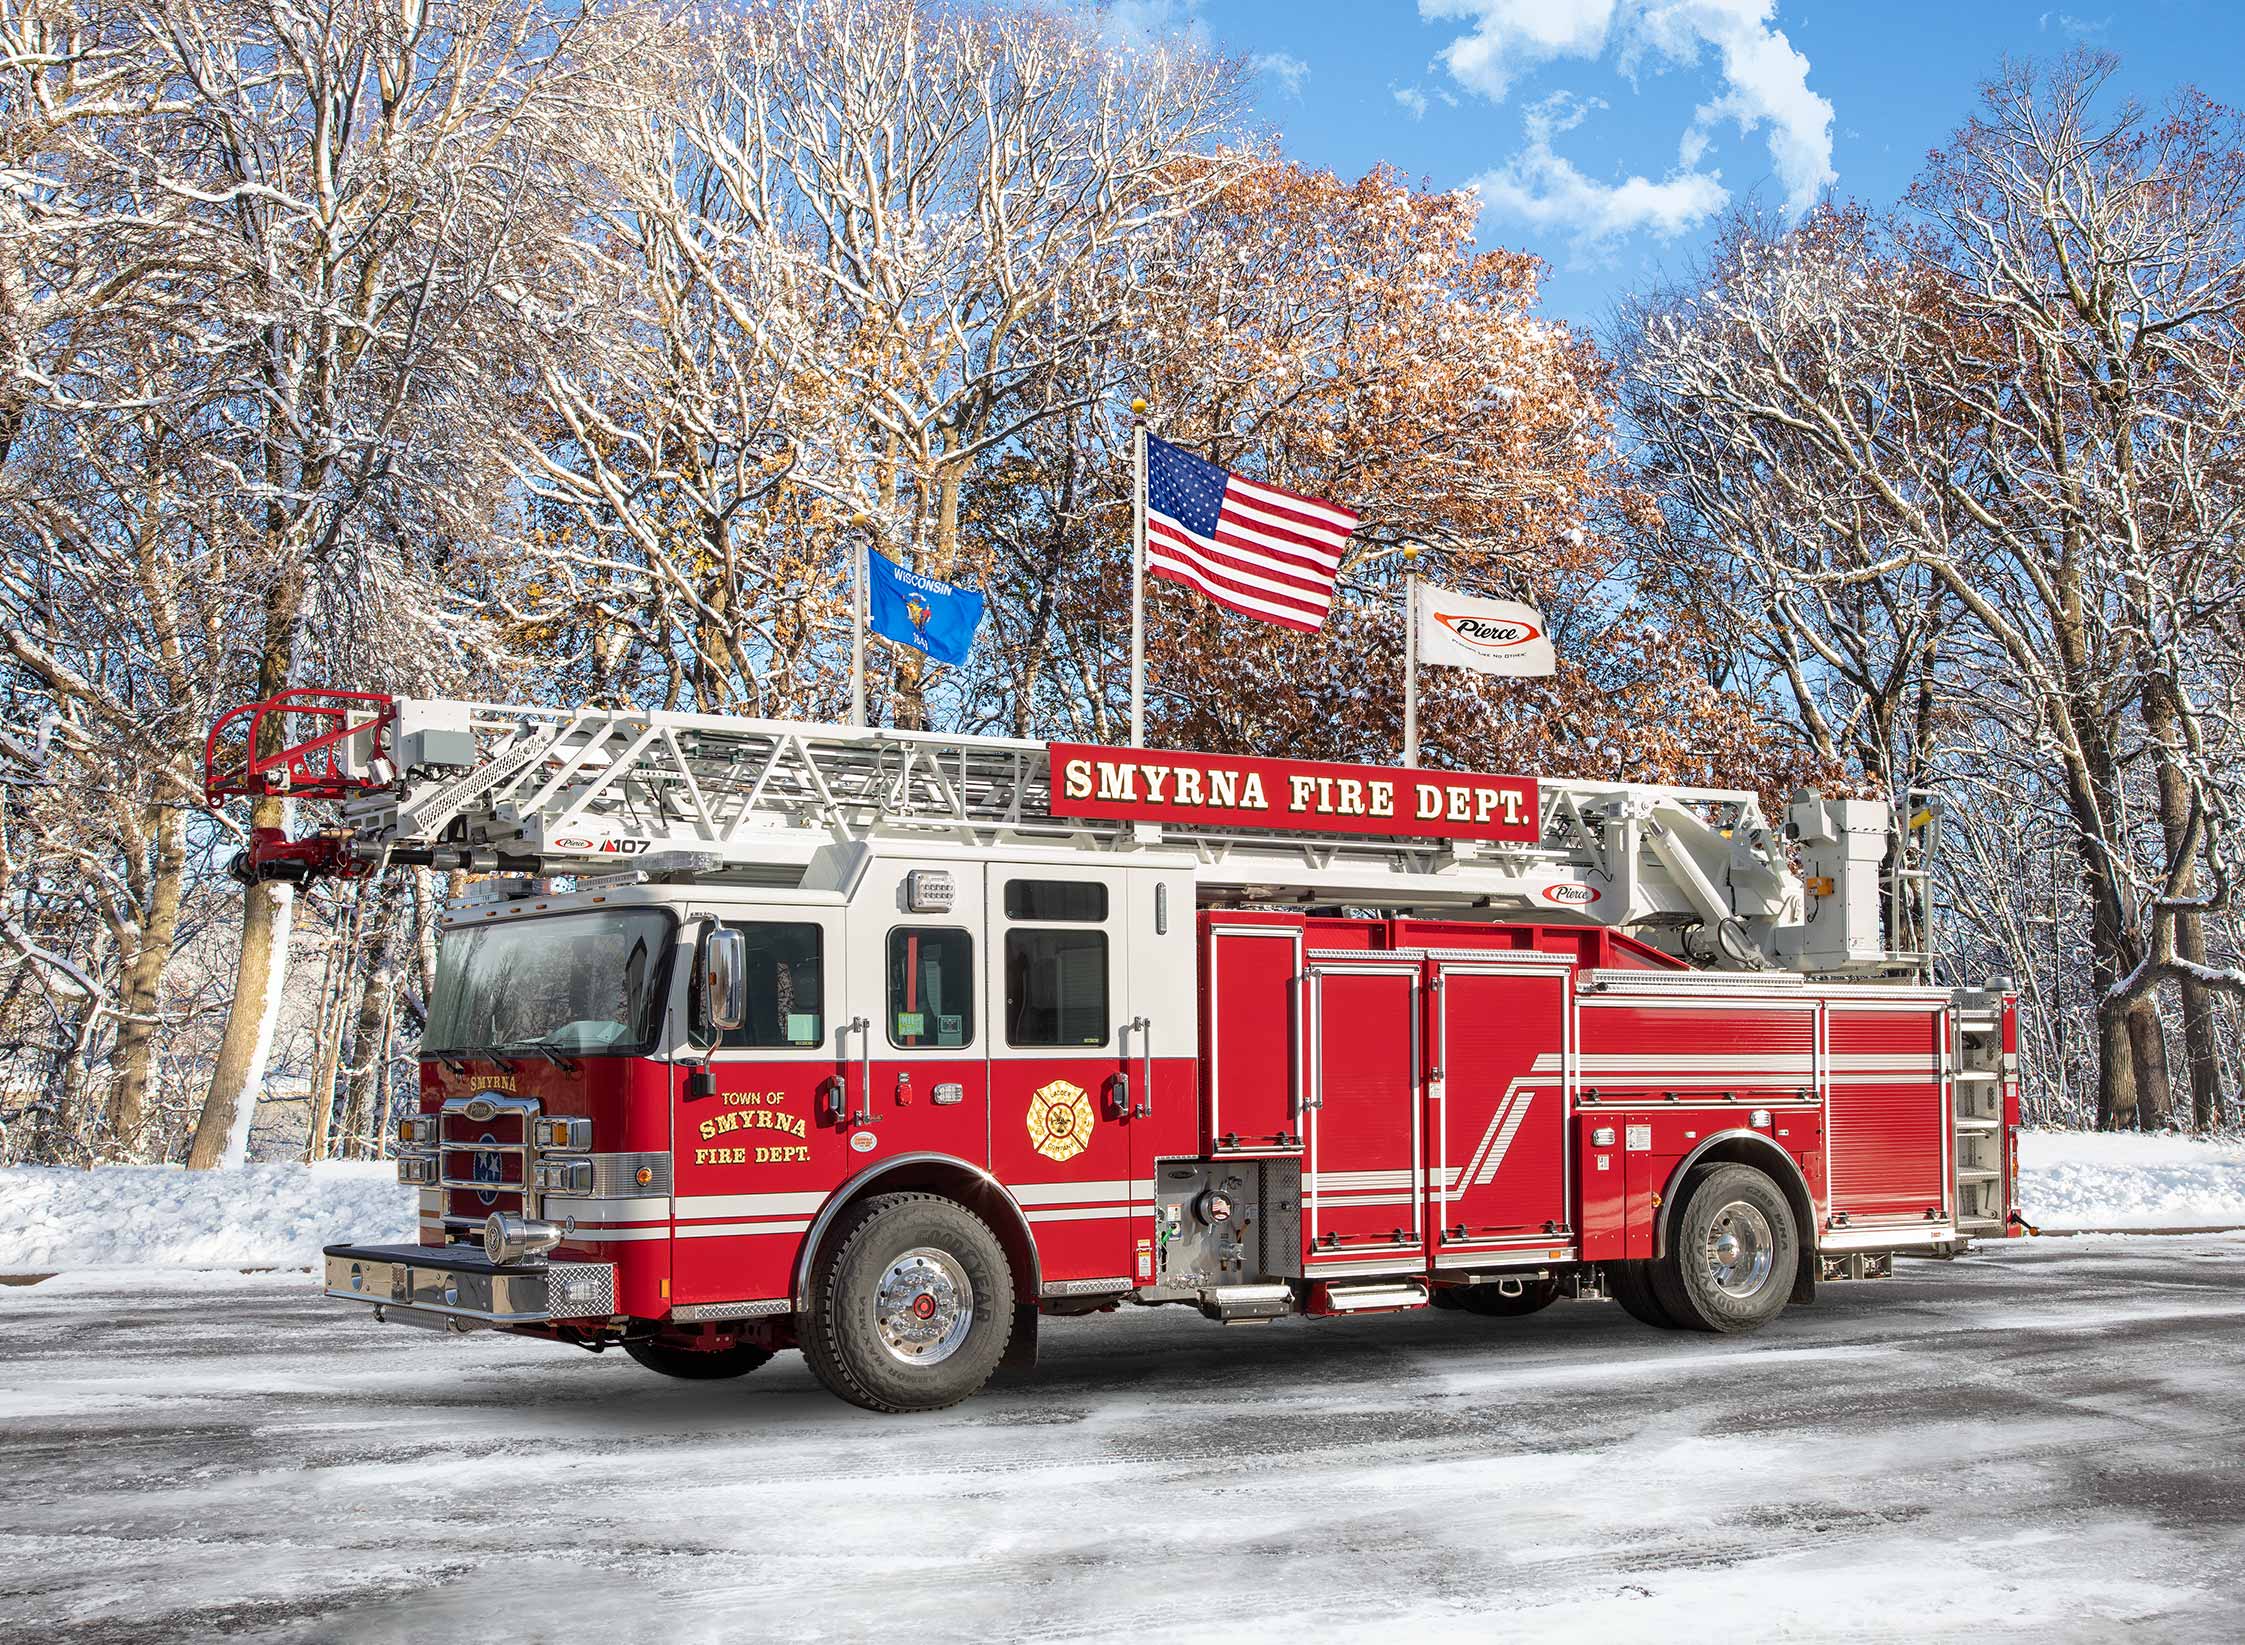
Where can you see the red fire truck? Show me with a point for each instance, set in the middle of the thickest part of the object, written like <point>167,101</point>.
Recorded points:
<point>884,1045</point>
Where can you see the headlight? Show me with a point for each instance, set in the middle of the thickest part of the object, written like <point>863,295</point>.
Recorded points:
<point>417,1170</point>
<point>509,1238</point>
<point>563,1176</point>
<point>417,1128</point>
<point>569,1136</point>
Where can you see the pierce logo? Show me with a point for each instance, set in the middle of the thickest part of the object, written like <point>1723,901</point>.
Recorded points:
<point>1576,896</point>
<point>1483,634</point>
<point>610,848</point>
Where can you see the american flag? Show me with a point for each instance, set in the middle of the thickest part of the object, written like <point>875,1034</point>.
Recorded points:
<point>1250,547</point>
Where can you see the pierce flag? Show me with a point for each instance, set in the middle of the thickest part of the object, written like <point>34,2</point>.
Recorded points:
<point>1490,636</point>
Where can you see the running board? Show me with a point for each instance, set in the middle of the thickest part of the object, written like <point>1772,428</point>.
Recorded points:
<point>1236,1304</point>
<point>1379,1297</point>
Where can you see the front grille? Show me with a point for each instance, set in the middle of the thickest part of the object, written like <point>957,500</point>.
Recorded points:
<point>485,1154</point>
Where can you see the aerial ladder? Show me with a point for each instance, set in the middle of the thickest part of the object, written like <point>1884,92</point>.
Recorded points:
<point>571,791</point>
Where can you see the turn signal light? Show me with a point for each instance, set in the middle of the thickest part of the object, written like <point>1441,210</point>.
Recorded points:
<point>569,1136</point>
<point>414,1129</point>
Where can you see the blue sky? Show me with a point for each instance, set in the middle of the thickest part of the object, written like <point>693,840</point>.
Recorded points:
<point>1605,133</point>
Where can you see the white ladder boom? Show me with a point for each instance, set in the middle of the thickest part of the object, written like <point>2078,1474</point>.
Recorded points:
<point>571,790</point>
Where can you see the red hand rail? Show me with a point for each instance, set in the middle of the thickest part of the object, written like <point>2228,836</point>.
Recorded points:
<point>310,768</point>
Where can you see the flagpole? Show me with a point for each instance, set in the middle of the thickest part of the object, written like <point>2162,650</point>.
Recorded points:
<point>1138,574</point>
<point>860,535</point>
<point>1411,654</point>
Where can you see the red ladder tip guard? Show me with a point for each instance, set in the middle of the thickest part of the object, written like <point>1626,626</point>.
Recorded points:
<point>323,766</point>
<point>344,757</point>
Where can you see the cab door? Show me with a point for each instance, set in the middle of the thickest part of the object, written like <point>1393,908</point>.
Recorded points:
<point>915,1081</point>
<point>752,1155</point>
<point>1063,1059</point>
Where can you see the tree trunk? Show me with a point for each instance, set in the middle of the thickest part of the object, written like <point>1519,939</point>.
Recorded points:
<point>2202,1038</point>
<point>222,1132</point>
<point>2116,1079</point>
<point>2147,1045</point>
<point>135,1053</point>
<point>327,1049</point>
<point>2201,1035</point>
<point>366,1069</point>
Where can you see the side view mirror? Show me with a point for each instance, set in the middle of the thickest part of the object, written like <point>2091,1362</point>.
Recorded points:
<point>724,979</point>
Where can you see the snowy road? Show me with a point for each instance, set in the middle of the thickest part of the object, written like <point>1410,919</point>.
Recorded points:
<point>2045,1443</point>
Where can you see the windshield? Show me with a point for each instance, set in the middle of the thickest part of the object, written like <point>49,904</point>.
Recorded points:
<point>570,984</point>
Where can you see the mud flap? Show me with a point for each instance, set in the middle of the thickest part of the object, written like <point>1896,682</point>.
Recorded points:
<point>1020,1358</point>
<point>1804,1278</point>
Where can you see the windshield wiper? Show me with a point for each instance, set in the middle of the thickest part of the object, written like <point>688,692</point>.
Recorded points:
<point>568,1065</point>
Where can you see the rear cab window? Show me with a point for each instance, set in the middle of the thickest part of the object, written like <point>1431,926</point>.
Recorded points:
<point>931,987</point>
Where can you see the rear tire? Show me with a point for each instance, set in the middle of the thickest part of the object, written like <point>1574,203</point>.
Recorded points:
<point>1732,1252</point>
<point>699,1364</point>
<point>1634,1291</point>
<point>911,1305</point>
<point>1534,1296</point>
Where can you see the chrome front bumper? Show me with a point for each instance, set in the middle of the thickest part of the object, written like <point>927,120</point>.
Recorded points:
<point>458,1288</point>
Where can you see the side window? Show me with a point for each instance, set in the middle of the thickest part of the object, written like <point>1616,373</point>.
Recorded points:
<point>931,986</point>
<point>786,978</point>
<point>1056,987</point>
<point>1077,901</point>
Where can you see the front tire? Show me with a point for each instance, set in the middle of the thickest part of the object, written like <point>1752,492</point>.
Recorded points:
<point>1731,1255</point>
<point>911,1305</point>
<point>699,1364</point>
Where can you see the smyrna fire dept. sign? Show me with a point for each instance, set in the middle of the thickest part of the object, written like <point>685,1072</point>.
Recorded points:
<point>1238,791</point>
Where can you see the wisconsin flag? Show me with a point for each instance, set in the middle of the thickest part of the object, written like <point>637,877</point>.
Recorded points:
<point>1492,636</point>
<point>921,612</point>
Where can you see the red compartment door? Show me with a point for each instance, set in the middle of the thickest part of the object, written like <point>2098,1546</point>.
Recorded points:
<point>1498,1113</point>
<point>1365,1179</point>
<point>1887,1126</point>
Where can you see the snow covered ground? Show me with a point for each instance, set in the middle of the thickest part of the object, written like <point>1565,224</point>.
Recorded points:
<point>278,1216</point>
<point>2073,1179</point>
<point>259,1216</point>
<point>2038,1443</point>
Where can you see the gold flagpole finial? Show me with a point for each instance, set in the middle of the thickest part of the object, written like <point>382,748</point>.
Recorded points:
<point>1138,408</point>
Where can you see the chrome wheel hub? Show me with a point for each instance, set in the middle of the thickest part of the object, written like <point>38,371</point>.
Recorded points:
<point>924,1307</point>
<point>1741,1249</point>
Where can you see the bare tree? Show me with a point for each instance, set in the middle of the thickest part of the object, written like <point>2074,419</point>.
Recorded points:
<point>2027,390</point>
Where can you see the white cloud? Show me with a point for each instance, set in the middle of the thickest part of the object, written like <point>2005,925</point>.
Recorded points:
<point>1764,79</point>
<point>1284,67</point>
<point>1543,188</point>
<point>1513,34</point>
<point>1413,100</point>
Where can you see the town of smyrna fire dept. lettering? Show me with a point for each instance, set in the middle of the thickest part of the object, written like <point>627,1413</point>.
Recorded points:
<point>752,1111</point>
